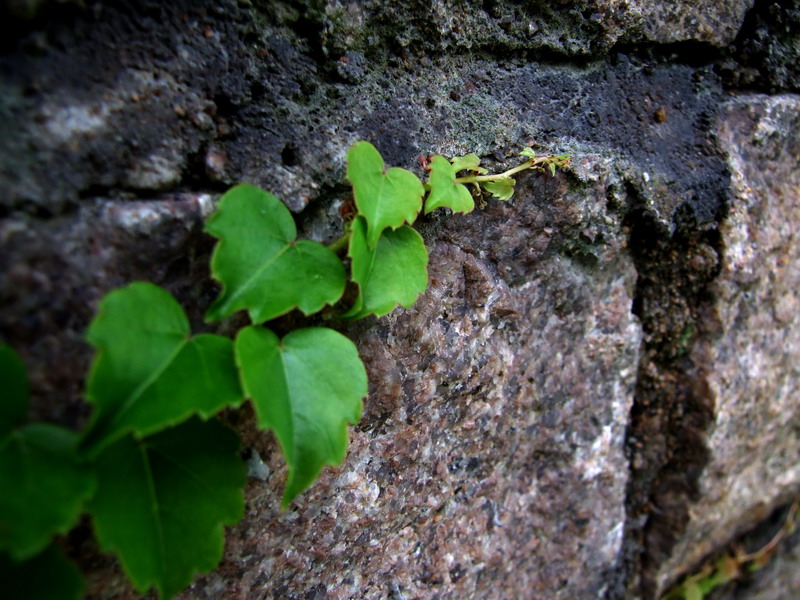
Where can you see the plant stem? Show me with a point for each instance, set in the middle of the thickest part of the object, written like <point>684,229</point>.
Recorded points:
<point>528,164</point>
<point>339,245</point>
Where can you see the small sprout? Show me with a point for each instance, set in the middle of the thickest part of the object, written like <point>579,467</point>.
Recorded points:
<point>501,185</point>
<point>502,189</point>
<point>470,162</point>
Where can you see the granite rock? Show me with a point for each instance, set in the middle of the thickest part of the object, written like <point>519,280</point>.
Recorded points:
<point>749,364</point>
<point>483,415</point>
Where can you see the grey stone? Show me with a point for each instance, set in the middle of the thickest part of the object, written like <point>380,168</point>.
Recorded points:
<point>672,21</point>
<point>750,364</point>
<point>768,49</point>
<point>569,27</point>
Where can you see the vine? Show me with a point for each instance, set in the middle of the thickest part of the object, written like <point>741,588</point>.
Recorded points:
<point>735,564</point>
<point>154,469</point>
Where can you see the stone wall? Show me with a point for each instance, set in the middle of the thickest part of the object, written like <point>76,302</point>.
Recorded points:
<point>599,389</point>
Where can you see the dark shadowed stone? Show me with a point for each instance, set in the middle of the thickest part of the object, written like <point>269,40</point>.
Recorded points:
<point>778,580</point>
<point>750,364</point>
<point>768,49</point>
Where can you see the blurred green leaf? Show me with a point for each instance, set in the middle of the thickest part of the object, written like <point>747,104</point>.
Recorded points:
<point>46,576</point>
<point>162,502</point>
<point>693,592</point>
<point>44,487</point>
<point>14,381</point>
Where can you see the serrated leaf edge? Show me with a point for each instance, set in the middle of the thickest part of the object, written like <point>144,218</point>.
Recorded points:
<point>371,233</point>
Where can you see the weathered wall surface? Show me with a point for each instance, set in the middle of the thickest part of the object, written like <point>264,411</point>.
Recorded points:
<point>598,390</point>
<point>749,362</point>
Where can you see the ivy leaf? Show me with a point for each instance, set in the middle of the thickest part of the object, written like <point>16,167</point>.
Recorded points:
<point>502,188</point>
<point>162,502</point>
<point>47,576</point>
<point>384,197</point>
<point>148,372</point>
<point>260,265</point>
<point>44,484</point>
<point>44,487</point>
<point>395,272</point>
<point>470,162</point>
<point>306,388</point>
<point>445,192</point>
<point>16,392</point>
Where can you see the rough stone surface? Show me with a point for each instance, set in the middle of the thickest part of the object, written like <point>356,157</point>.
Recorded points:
<point>750,364</point>
<point>673,21</point>
<point>464,448</point>
<point>595,393</point>
<point>193,111</point>
<point>768,49</point>
<point>569,27</point>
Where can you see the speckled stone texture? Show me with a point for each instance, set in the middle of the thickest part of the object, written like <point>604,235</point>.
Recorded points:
<point>599,388</point>
<point>496,398</point>
<point>751,365</point>
<point>717,22</point>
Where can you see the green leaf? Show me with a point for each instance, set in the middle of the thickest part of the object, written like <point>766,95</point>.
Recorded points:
<point>528,153</point>
<point>470,162</point>
<point>306,388</point>
<point>445,192</point>
<point>162,502</point>
<point>14,382</point>
<point>552,169</point>
<point>393,273</point>
<point>148,371</point>
<point>47,576</point>
<point>261,267</point>
<point>44,484</point>
<point>385,198</point>
<point>502,188</point>
<point>44,487</point>
<point>692,591</point>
